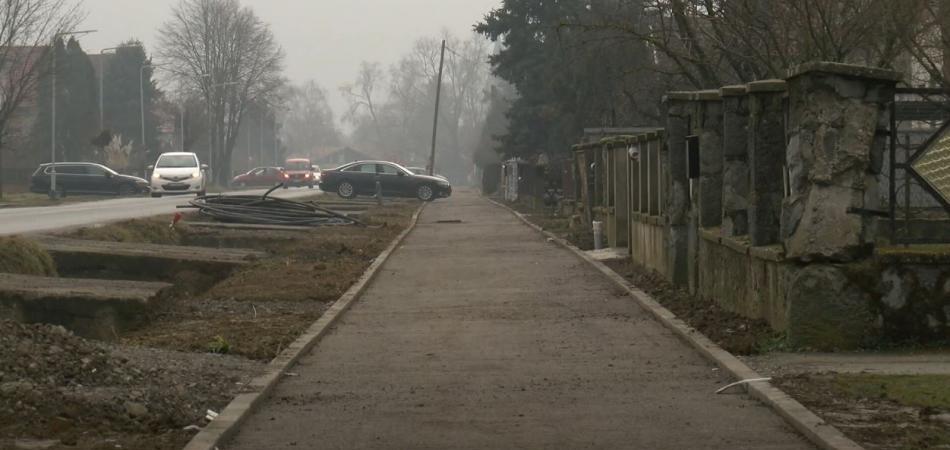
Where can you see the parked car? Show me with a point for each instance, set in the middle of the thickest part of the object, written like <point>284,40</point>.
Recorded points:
<point>178,173</point>
<point>260,176</point>
<point>85,178</point>
<point>359,178</point>
<point>300,173</point>
<point>423,171</point>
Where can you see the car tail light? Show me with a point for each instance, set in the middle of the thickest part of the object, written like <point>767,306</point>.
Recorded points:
<point>285,176</point>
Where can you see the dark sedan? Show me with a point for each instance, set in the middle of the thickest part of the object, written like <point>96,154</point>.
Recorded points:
<point>86,178</point>
<point>359,178</point>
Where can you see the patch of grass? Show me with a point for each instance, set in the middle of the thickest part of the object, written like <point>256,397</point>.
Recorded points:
<point>28,199</point>
<point>919,391</point>
<point>219,345</point>
<point>878,411</point>
<point>24,257</point>
<point>144,231</point>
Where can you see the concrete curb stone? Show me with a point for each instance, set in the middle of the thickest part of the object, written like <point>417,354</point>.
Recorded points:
<point>819,432</point>
<point>223,427</point>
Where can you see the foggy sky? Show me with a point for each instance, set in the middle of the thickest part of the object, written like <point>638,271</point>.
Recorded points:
<point>324,40</point>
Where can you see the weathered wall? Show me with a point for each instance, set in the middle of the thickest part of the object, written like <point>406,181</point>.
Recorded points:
<point>650,249</point>
<point>780,222</point>
<point>752,285</point>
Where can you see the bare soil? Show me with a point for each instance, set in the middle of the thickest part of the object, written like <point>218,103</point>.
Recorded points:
<point>88,395</point>
<point>262,308</point>
<point>877,411</point>
<point>207,339</point>
<point>734,333</point>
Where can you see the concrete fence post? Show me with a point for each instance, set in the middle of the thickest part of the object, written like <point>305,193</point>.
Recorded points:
<point>676,185</point>
<point>735,161</point>
<point>766,132</point>
<point>837,113</point>
<point>709,129</point>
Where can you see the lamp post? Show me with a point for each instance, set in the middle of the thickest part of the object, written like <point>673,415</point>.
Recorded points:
<point>52,175</point>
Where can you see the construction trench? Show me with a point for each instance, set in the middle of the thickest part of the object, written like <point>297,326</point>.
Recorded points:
<point>145,328</point>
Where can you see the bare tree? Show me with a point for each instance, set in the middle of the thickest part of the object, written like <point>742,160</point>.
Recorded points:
<point>709,43</point>
<point>363,96</point>
<point>27,27</point>
<point>229,55</point>
<point>308,120</point>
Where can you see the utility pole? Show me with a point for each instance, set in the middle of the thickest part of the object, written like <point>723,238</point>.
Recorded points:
<point>435,120</point>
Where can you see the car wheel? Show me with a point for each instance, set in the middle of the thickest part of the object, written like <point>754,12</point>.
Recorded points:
<point>425,193</point>
<point>125,190</point>
<point>346,190</point>
<point>310,186</point>
<point>155,195</point>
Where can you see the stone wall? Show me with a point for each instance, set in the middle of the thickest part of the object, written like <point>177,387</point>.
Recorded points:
<point>746,282</point>
<point>780,223</point>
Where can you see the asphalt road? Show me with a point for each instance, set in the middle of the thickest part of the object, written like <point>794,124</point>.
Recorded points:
<point>481,334</point>
<point>49,218</point>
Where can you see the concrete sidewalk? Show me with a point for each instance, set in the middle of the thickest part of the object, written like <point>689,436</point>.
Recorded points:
<point>484,335</point>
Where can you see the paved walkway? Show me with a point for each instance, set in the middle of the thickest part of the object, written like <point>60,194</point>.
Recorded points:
<point>483,335</point>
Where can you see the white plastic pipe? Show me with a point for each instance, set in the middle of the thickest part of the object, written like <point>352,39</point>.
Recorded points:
<point>598,234</point>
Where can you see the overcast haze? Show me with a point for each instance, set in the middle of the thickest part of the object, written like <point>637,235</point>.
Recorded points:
<point>324,40</point>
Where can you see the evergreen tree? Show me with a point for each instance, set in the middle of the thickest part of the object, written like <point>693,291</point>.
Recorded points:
<point>122,103</point>
<point>76,105</point>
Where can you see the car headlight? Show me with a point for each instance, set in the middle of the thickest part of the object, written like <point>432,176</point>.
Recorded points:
<point>195,174</point>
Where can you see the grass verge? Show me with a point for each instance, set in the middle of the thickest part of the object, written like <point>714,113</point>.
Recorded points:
<point>879,411</point>
<point>24,257</point>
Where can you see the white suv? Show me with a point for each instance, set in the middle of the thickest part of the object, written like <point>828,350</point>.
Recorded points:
<point>178,173</point>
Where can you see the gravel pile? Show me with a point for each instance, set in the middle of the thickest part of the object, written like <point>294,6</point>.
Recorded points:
<point>53,383</point>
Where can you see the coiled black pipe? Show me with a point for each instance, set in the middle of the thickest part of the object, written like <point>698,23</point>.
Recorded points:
<point>266,210</point>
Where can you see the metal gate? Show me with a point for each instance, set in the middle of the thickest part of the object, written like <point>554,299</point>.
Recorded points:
<point>918,175</point>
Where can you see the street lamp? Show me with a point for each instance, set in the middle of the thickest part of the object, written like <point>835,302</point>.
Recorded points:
<point>142,95</point>
<point>52,173</point>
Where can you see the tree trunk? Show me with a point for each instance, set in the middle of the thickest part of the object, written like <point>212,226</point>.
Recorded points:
<point>944,12</point>
<point>1,165</point>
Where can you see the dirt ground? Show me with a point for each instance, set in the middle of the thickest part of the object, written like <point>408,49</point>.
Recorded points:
<point>879,412</point>
<point>737,334</point>
<point>74,393</point>
<point>200,346</point>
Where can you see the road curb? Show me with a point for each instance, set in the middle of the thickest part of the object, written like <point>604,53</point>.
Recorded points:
<point>222,428</point>
<point>816,430</point>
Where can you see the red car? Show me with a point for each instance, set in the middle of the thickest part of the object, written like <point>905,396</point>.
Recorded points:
<point>300,172</point>
<point>261,176</point>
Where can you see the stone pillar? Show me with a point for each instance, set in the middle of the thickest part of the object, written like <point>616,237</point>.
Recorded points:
<point>766,133</point>
<point>735,161</point>
<point>709,128</point>
<point>676,185</point>
<point>835,152</point>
